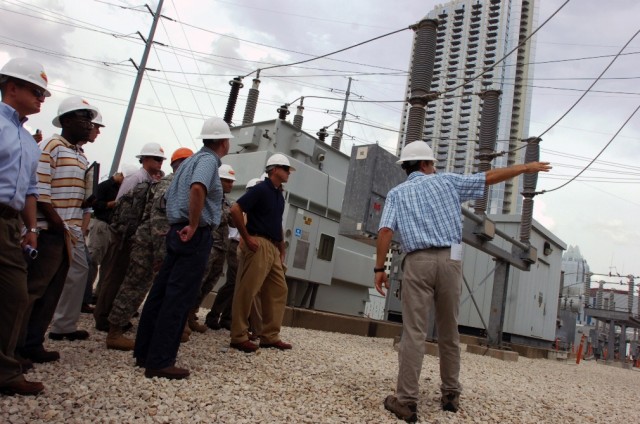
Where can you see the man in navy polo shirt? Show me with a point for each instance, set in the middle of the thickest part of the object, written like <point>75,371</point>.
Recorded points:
<point>194,207</point>
<point>261,259</point>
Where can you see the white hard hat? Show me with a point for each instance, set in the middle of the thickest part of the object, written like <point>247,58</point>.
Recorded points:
<point>152,149</point>
<point>98,120</point>
<point>226,172</point>
<point>416,150</point>
<point>252,182</point>
<point>279,159</point>
<point>215,129</point>
<point>69,105</point>
<point>128,169</point>
<point>27,70</point>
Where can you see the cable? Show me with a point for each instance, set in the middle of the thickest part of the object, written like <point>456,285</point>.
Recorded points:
<point>332,53</point>
<point>522,43</point>
<point>591,86</point>
<point>597,156</point>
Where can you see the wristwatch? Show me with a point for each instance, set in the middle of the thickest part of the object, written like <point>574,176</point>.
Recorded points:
<point>376,270</point>
<point>34,230</point>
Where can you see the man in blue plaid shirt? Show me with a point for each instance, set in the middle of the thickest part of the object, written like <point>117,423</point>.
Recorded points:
<point>425,210</point>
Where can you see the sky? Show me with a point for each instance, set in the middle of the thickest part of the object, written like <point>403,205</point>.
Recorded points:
<point>87,46</point>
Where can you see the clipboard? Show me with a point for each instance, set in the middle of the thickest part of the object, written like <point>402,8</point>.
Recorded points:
<point>91,180</point>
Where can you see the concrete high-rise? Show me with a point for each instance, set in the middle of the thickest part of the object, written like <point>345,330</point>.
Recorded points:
<point>473,35</point>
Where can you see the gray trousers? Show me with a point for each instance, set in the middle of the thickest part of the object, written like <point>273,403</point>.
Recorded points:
<point>430,279</point>
<point>67,314</point>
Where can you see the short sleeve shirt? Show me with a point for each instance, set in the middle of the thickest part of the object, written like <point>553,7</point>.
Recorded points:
<point>264,206</point>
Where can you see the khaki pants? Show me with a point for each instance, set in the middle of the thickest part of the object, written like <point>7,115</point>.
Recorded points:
<point>430,279</point>
<point>259,272</point>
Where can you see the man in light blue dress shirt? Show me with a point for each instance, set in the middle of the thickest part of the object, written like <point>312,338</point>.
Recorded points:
<point>23,84</point>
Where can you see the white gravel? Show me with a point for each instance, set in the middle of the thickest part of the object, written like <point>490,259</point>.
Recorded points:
<point>326,378</point>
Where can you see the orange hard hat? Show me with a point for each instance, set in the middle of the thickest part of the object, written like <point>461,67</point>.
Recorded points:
<point>181,153</point>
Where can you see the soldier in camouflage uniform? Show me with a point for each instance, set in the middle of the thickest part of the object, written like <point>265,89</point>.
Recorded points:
<point>147,252</point>
<point>215,264</point>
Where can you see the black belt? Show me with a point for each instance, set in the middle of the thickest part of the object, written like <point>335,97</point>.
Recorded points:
<point>7,212</point>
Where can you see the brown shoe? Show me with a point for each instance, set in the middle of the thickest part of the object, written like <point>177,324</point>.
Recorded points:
<point>172,373</point>
<point>24,388</point>
<point>117,341</point>
<point>405,411</point>
<point>40,355</point>
<point>245,346</point>
<point>450,401</point>
<point>277,345</point>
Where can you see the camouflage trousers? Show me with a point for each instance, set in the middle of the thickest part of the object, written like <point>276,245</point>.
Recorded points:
<point>215,266</point>
<point>137,281</point>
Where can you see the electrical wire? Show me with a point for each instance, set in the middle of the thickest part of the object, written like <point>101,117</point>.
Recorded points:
<point>332,53</point>
<point>591,86</point>
<point>522,43</point>
<point>597,156</point>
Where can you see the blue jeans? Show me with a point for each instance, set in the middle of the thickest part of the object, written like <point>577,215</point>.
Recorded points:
<point>172,295</point>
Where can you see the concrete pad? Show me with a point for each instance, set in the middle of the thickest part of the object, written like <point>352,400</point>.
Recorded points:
<point>503,355</point>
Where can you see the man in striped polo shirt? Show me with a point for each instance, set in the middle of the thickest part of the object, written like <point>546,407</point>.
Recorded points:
<point>62,186</point>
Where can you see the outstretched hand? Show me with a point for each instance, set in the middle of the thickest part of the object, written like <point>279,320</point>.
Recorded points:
<point>533,167</point>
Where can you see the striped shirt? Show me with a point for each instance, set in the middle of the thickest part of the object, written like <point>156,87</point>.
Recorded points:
<point>61,180</point>
<point>425,209</point>
<point>201,168</point>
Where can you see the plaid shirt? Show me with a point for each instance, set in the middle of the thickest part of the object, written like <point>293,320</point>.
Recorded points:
<point>425,209</point>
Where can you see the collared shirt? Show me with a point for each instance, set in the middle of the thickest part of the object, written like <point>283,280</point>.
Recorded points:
<point>19,155</point>
<point>107,192</point>
<point>425,209</point>
<point>130,181</point>
<point>201,168</point>
<point>264,206</point>
<point>62,180</point>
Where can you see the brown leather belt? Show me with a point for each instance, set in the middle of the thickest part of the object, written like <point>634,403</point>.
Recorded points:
<point>7,212</point>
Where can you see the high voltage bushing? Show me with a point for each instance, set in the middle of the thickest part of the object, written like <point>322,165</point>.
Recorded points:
<point>532,154</point>
<point>630,294</point>
<point>323,133</point>
<point>587,289</point>
<point>298,118</point>
<point>252,103</point>
<point>424,53</point>
<point>236,85</point>
<point>599,294</point>
<point>337,137</point>
<point>487,145</point>
<point>283,111</point>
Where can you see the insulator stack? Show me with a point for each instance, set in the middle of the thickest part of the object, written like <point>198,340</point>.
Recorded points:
<point>587,289</point>
<point>298,118</point>
<point>335,140</point>
<point>424,54</point>
<point>488,136</point>
<point>236,85</point>
<point>599,294</point>
<point>612,303</point>
<point>323,133</point>
<point>252,103</point>
<point>532,154</point>
<point>283,111</point>
<point>630,298</point>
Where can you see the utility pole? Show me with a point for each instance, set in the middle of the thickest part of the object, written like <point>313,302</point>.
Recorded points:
<point>136,89</point>
<point>336,140</point>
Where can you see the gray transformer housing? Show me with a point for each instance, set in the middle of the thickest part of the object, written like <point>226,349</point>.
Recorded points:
<point>372,173</point>
<point>315,251</point>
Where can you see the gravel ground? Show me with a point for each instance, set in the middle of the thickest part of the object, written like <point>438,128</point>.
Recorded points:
<point>326,378</point>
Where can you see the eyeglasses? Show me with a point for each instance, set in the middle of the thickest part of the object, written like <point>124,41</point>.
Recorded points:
<point>37,92</point>
<point>287,168</point>
<point>156,158</point>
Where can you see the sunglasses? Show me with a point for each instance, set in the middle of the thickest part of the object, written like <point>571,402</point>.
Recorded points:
<point>37,92</point>
<point>287,168</point>
<point>156,158</point>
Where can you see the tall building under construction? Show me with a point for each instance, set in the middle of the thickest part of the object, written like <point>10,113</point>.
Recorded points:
<point>473,36</point>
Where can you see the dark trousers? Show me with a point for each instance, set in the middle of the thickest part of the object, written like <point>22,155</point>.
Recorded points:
<point>13,297</point>
<point>45,281</point>
<point>221,308</point>
<point>172,295</point>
